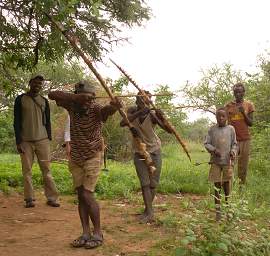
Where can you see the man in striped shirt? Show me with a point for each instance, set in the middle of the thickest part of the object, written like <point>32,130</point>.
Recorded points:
<point>86,142</point>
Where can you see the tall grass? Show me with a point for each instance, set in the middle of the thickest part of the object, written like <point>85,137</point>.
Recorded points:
<point>178,174</point>
<point>181,175</point>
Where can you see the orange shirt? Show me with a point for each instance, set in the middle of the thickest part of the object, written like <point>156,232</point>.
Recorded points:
<point>236,118</point>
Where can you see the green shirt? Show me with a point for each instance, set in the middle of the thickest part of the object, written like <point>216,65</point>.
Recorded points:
<point>33,128</point>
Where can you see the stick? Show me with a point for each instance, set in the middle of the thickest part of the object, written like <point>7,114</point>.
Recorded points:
<point>148,100</point>
<point>74,42</point>
<point>135,95</point>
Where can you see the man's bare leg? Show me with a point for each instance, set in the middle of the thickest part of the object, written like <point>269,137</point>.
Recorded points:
<point>91,204</point>
<point>84,217</point>
<point>153,193</point>
<point>83,212</point>
<point>227,190</point>
<point>147,198</point>
<point>93,210</point>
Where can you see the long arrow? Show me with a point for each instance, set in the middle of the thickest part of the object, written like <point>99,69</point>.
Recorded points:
<point>75,44</point>
<point>148,100</point>
<point>134,95</point>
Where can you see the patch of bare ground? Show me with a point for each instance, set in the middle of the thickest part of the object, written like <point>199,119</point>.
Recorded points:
<point>44,230</point>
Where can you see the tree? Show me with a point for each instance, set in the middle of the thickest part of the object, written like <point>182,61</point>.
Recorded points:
<point>26,34</point>
<point>164,102</point>
<point>176,116</point>
<point>197,129</point>
<point>61,75</point>
<point>259,93</point>
<point>214,89</point>
<point>119,84</point>
<point>7,141</point>
<point>117,139</point>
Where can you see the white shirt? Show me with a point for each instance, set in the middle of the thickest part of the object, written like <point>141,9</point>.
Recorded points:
<point>67,130</point>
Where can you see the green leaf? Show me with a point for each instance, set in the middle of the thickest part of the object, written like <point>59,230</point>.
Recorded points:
<point>223,247</point>
<point>180,252</point>
<point>191,238</point>
<point>184,241</point>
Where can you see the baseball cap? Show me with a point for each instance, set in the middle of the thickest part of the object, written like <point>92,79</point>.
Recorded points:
<point>84,87</point>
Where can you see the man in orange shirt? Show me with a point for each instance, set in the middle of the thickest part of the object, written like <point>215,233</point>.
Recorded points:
<point>240,116</point>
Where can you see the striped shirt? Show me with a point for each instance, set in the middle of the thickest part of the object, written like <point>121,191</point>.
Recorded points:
<point>85,133</point>
<point>85,125</point>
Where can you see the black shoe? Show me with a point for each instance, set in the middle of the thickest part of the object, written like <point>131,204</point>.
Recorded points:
<point>29,204</point>
<point>53,203</point>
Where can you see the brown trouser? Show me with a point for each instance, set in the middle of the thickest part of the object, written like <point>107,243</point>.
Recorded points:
<point>42,150</point>
<point>242,159</point>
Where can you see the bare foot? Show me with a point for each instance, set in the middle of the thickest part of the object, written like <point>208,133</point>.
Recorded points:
<point>147,218</point>
<point>142,215</point>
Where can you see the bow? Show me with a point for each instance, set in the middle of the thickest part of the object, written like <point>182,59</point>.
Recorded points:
<point>148,100</point>
<point>75,44</point>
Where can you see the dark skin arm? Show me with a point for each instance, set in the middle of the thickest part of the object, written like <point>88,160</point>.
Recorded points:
<point>216,153</point>
<point>232,155</point>
<point>133,113</point>
<point>157,118</point>
<point>61,97</point>
<point>247,117</point>
<point>20,148</point>
<point>109,110</point>
<point>84,99</point>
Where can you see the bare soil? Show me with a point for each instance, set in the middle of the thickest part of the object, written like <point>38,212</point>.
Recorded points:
<point>44,230</point>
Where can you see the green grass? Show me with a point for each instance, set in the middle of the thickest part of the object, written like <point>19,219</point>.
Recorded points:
<point>178,174</point>
<point>181,175</point>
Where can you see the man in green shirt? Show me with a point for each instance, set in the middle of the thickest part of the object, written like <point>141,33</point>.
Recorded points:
<point>32,128</point>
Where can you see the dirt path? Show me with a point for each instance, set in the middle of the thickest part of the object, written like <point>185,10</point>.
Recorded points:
<point>48,231</point>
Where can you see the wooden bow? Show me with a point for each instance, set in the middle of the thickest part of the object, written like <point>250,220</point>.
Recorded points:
<point>148,100</point>
<point>75,44</point>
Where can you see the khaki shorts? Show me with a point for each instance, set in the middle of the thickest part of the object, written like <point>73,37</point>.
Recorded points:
<point>86,175</point>
<point>219,173</point>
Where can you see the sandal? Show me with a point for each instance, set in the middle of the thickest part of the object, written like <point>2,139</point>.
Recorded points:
<point>94,242</point>
<point>79,242</point>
